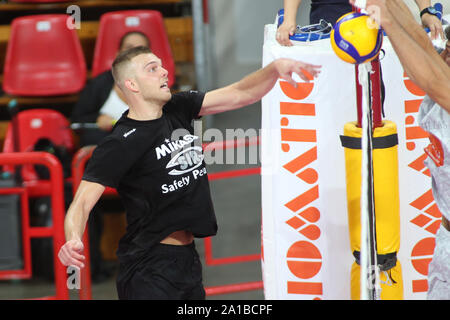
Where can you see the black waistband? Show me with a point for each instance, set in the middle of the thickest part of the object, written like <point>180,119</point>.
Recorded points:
<point>378,142</point>
<point>171,247</point>
<point>137,255</point>
<point>384,261</point>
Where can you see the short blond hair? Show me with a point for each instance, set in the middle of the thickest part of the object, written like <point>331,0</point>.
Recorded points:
<point>124,58</point>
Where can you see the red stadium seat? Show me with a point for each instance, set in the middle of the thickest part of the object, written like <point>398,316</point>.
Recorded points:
<point>114,25</point>
<point>44,57</point>
<point>32,125</point>
<point>35,124</point>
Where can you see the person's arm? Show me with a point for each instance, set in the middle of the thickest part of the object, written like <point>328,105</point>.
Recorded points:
<point>430,21</point>
<point>85,198</point>
<point>105,122</point>
<point>425,67</point>
<point>404,17</point>
<point>289,24</point>
<point>254,86</point>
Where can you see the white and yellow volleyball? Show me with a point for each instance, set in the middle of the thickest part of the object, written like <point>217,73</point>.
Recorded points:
<point>356,38</point>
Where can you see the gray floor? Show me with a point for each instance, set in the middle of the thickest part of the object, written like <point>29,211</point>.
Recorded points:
<point>238,210</point>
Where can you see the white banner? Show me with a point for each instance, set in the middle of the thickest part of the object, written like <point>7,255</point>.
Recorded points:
<point>305,236</point>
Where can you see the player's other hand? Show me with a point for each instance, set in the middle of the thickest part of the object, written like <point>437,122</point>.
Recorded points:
<point>376,9</point>
<point>434,24</point>
<point>306,71</point>
<point>70,253</point>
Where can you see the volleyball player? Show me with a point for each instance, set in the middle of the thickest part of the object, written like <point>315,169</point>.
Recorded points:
<point>161,179</point>
<point>431,72</point>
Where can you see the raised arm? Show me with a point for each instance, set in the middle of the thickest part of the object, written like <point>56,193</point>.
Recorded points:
<point>422,64</point>
<point>289,24</point>
<point>85,198</point>
<point>404,17</point>
<point>254,86</point>
<point>430,21</point>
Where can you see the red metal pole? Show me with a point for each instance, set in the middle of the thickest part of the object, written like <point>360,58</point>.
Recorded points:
<point>25,233</point>
<point>57,201</point>
<point>205,11</point>
<point>375,80</point>
<point>358,98</point>
<point>58,214</point>
<point>228,144</point>
<point>211,261</point>
<point>375,83</point>
<point>233,173</point>
<point>208,250</point>
<point>78,164</point>
<point>232,288</point>
<point>375,92</point>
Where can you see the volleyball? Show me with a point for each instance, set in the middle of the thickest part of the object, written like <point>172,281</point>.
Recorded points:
<point>356,39</point>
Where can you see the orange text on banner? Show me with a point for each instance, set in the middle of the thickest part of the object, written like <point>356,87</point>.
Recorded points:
<point>303,258</point>
<point>429,217</point>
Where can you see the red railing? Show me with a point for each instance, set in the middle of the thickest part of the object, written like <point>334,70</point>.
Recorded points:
<point>375,94</point>
<point>78,165</point>
<point>55,190</point>
<point>209,259</point>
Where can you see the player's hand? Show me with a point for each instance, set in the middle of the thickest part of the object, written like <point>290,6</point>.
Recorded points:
<point>70,253</point>
<point>286,67</point>
<point>367,3</point>
<point>434,24</point>
<point>284,31</point>
<point>105,122</point>
<point>379,4</point>
<point>376,9</point>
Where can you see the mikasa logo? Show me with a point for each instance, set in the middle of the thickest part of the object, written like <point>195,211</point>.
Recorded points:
<point>186,161</point>
<point>170,146</point>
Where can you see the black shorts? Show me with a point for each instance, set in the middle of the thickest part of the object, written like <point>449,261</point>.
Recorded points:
<point>168,272</point>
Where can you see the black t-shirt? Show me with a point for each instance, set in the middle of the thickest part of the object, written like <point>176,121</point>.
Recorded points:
<point>329,10</point>
<point>160,178</point>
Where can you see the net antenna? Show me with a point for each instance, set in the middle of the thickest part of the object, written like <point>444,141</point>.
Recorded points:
<point>370,273</point>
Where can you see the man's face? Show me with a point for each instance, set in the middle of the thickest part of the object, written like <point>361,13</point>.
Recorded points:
<point>151,78</point>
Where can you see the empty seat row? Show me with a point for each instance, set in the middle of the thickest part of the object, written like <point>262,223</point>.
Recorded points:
<point>44,56</point>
